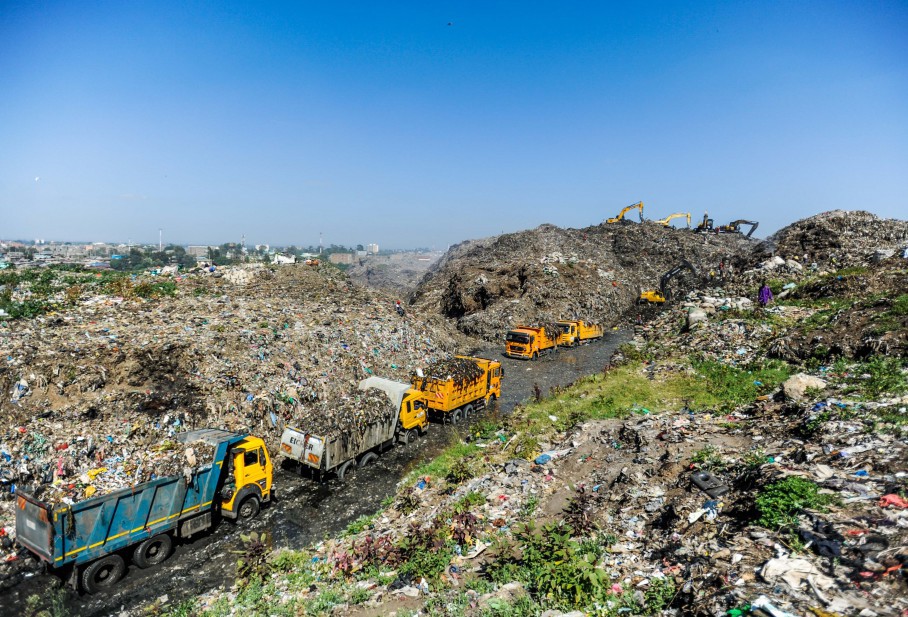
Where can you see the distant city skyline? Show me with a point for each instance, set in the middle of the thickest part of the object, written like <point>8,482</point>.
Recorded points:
<point>375,122</point>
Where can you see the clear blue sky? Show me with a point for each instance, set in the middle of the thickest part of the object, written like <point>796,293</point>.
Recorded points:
<point>379,122</point>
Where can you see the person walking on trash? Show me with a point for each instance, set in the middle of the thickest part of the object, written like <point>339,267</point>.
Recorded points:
<point>765,295</point>
<point>400,309</point>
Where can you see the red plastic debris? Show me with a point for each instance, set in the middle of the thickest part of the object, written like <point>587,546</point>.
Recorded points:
<point>893,500</point>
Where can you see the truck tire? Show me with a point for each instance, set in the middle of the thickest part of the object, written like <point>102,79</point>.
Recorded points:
<point>152,551</point>
<point>468,411</point>
<point>409,437</point>
<point>535,355</point>
<point>248,509</point>
<point>456,416</point>
<point>344,470</point>
<point>367,458</point>
<point>103,574</point>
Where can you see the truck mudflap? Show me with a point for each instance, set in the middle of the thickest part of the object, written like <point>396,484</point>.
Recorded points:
<point>35,526</point>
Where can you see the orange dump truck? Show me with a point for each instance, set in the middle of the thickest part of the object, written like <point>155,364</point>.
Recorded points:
<point>465,386</point>
<point>576,332</point>
<point>529,341</point>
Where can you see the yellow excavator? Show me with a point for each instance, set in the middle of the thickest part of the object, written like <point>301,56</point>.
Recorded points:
<point>664,294</point>
<point>620,217</point>
<point>735,227</point>
<point>677,215</point>
<point>706,224</point>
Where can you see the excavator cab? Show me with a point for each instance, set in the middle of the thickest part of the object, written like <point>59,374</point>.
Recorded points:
<point>706,224</point>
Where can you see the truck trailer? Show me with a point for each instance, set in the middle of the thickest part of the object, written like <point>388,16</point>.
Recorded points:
<point>94,537</point>
<point>576,332</point>
<point>340,453</point>
<point>452,398</point>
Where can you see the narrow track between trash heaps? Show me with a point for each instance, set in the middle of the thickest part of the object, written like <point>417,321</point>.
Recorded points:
<point>304,511</point>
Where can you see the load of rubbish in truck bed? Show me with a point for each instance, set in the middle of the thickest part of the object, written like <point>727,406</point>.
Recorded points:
<point>460,370</point>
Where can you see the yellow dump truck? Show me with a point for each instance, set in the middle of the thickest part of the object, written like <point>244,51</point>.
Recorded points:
<point>575,332</point>
<point>456,389</point>
<point>325,451</point>
<point>529,341</point>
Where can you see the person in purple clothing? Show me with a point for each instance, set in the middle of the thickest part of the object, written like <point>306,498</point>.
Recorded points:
<point>765,295</point>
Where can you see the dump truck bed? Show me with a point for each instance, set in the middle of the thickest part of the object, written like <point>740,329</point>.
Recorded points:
<point>445,395</point>
<point>325,453</point>
<point>94,527</point>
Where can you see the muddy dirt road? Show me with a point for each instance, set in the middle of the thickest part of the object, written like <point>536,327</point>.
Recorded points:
<point>304,511</point>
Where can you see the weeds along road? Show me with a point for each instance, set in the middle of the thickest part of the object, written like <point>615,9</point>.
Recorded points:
<point>304,511</point>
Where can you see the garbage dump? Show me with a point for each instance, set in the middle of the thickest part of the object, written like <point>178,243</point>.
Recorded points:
<point>489,286</point>
<point>95,388</point>
<point>767,472</point>
<point>839,238</point>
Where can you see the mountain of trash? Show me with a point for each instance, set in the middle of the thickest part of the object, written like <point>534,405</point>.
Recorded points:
<point>548,273</point>
<point>840,238</point>
<point>94,391</point>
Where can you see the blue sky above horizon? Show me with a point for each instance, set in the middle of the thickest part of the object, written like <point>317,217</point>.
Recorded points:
<point>379,122</point>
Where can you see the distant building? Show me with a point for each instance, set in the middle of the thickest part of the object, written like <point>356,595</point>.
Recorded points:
<point>341,258</point>
<point>197,251</point>
<point>372,248</point>
<point>282,258</point>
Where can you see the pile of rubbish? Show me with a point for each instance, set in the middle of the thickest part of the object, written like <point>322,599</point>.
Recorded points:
<point>840,238</point>
<point>490,286</point>
<point>460,370</point>
<point>105,381</point>
<point>345,415</point>
<point>396,273</point>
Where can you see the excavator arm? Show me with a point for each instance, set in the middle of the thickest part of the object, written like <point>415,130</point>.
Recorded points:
<point>737,226</point>
<point>663,282</point>
<point>664,222</point>
<point>620,217</point>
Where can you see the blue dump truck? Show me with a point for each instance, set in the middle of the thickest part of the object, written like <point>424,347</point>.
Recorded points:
<point>92,540</point>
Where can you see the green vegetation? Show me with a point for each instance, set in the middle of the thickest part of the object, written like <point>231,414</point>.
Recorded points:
<point>877,376</point>
<point>32,292</point>
<point>780,503</point>
<point>708,459</point>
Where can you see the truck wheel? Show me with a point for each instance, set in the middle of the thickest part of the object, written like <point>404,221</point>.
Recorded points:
<point>248,509</point>
<point>345,469</point>
<point>535,355</point>
<point>456,416</point>
<point>103,574</point>
<point>367,458</point>
<point>409,436</point>
<point>152,551</point>
<point>468,411</point>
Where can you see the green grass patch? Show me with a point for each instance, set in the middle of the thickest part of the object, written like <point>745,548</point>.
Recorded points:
<point>441,465</point>
<point>877,376</point>
<point>780,503</point>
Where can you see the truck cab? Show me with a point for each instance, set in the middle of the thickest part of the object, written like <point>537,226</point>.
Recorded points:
<point>414,411</point>
<point>248,481</point>
<point>568,335</point>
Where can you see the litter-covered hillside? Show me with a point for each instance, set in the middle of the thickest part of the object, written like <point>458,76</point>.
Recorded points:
<point>840,238</point>
<point>702,472</point>
<point>97,384</point>
<point>548,273</point>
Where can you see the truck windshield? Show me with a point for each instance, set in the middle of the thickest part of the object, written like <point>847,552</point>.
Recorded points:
<point>565,328</point>
<point>517,337</point>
